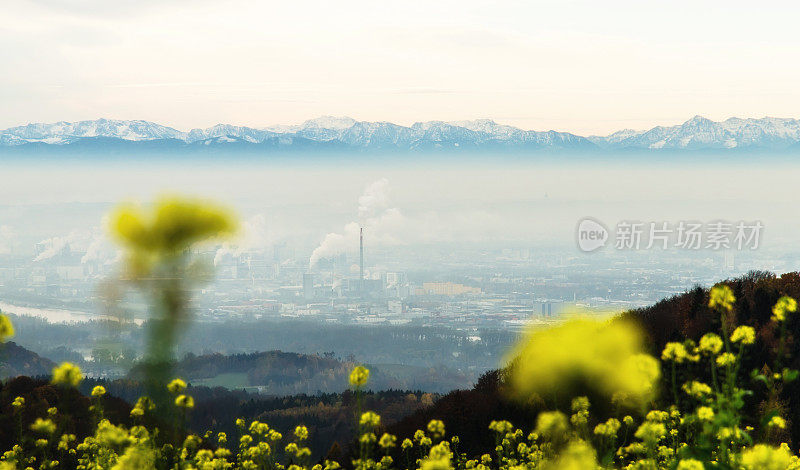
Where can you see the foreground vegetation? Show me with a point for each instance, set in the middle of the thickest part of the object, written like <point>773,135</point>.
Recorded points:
<point>690,408</point>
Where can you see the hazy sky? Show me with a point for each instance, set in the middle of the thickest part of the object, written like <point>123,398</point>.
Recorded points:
<point>585,67</point>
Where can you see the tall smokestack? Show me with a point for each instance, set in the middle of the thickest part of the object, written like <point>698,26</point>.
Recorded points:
<point>361,257</point>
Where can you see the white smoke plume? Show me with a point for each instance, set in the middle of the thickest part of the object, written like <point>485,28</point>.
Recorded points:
<point>381,224</point>
<point>374,199</point>
<point>253,235</point>
<point>55,245</point>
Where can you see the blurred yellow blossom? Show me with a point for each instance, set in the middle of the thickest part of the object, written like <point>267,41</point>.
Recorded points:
<point>6,328</point>
<point>43,426</point>
<point>98,391</point>
<point>168,229</point>
<point>674,352</point>
<point>721,296</point>
<point>710,343</point>
<point>726,359</point>
<point>705,413</point>
<point>745,334</point>
<point>67,374</point>
<point>176,386</point>
<point>608,355</point>
<point>784,305</point>
<point>184,401</point>
<point>764,457</point>
<point>370,418</point>
<point>777,422</point>
<point>359,376</point>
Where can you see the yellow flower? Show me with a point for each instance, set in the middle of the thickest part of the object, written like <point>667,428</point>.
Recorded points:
<point>710,343</point>
<point>764,457</point>
<point>359,376</point>
<point>628,420</point>
<point>43,426</point>
<point>173,225</point>
<point>721,296</point>
<point>501,427</point>
<point>578,455</point>
<point>785,304</point>
<point>184,401</point>
<point>301,433</point>
<point>608,429</point>
<point>726,359</point>
<point>606,354</point>
<point>407,444</point>
<point>745,334</point>
<point>580,404</point>
<point>651,432</point>
<point>696,389</point>
<point>370,418</point>
<point>436,428</point>
<point>387,441</point>
<point>705,413</point>
<point>777,422</point>
<point>98,391</point>
<point>67,374</point>
<point>438,458</point>
<point>18,403</point>
<point>674,352</point>
<point>6,328</point>
<point>176,386</point>
<point>551,424</point>
<point>690,464</point>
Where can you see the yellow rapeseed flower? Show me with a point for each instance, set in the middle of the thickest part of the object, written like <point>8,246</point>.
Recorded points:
<point>98,391</point>
<point>784,305</point>
<point>764,457</point>
<point>726,359</point>
<point>184,401</point>
<point>18,403</point>
<point>6,328</point>
<point>387,441</point>
<point>172,226</point>
<point>301,433</point>
<point>551,424</point>
<point>359,376</point>
<point>675,352</point>
<point>606,354</point>
<point>777,422</point>
<point>696,389</point>
<point>745,334</point>
<point>370,418</point>
<point>710,343</point>
<point>43,426</point>
<point>690,464</point>
<point>436,428</point>
<point>705,413</point>
<point>176,386</point>
<point>721,296</point>
<point>67,374</point>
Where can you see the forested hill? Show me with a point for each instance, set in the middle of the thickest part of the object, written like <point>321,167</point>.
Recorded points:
<point>469,412</point>
<point>281,373</point>
<point>16,360</point>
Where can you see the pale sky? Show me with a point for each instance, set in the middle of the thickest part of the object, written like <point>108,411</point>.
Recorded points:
<point>584,67</point>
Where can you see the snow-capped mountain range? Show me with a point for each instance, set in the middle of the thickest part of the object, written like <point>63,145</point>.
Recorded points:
<point>346,133</point>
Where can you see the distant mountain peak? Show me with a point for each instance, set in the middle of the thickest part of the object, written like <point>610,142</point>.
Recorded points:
<point>329,122</point>
<point>342,133</point>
